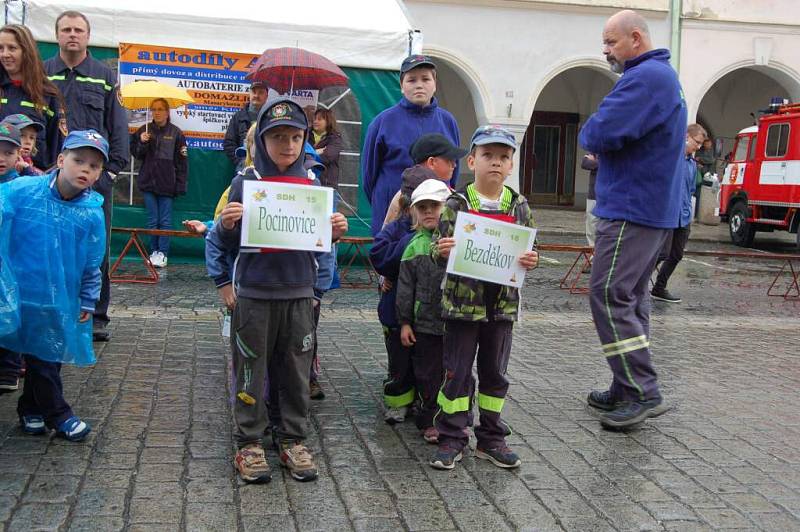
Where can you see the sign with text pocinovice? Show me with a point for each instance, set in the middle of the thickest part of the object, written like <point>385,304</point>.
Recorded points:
<point>286,216</point>
<point>489,250</point>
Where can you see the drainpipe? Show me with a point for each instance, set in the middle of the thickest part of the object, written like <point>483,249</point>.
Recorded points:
<point>675,9</point>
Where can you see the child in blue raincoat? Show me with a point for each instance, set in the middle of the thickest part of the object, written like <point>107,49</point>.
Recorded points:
<point>56,241</point>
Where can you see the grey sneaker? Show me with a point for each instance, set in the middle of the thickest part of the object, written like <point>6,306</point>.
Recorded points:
<point>395,415</point>
<point>632,413</point>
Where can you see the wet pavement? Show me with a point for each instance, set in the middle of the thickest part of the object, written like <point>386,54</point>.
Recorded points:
<point>160,455</point>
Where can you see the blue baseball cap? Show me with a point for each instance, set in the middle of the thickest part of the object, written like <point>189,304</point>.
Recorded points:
<point>22,121</point>
<point>9,133</point>
<point>281,112</point>
<point>87,139</point>
<point>493,135</point>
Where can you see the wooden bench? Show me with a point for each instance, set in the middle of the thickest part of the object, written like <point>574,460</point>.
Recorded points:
<point>359,255</point>
<point>135,241</point>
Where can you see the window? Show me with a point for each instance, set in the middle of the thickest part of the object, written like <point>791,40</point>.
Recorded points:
<point>777,140</point>
<point>751,153</point>
<point>741,148</point>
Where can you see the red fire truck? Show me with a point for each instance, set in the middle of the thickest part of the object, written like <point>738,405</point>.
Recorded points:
<point>761,185</point>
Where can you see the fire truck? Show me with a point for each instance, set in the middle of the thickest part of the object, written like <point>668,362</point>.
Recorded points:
<point>761,184</point>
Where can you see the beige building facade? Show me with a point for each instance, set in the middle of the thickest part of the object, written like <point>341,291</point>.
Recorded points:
<point>537,68</point>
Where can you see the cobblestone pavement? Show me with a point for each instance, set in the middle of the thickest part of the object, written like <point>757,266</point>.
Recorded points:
<point>160,455</point>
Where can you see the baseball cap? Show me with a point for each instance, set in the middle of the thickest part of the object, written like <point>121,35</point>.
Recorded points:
<point>435,145</point>
<point>281,112</point>
<point>259,83</point>
<point>492,135</point>
<point>10,133</point>
<point>414,61</point>
<point>22,121</point>
<point>88,138</point>
<point>430,189</point>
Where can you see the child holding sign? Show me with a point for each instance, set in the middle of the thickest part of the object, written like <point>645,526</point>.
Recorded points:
<point>274,314</point>
<point>479,315</point>
<point>419,302</point>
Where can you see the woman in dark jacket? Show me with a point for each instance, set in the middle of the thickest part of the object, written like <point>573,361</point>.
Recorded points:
<point>161,147</point>
<point>327,141</point>
<point>25,89</point>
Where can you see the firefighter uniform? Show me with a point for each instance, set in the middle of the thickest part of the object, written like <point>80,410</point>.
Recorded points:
<point>14,100</point>
<point>479,317</point>
<point>90,95</point>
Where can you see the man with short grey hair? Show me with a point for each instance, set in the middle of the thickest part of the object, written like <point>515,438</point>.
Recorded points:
<point>638,134</point>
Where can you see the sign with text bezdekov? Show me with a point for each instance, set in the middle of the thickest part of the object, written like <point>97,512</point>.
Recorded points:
<point>286,216</point>
<point>489,250</point>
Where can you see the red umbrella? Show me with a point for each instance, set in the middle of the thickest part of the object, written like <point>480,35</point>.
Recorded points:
<point>284,69</point>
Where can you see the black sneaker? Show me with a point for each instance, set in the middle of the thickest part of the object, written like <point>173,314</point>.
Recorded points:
<point>662,294</point>
<point>501,456</point>
<point>446,458</point>
<point>315,391</point>
<point>100,334</point>
<point>602,400</point>
<point>632,413</point>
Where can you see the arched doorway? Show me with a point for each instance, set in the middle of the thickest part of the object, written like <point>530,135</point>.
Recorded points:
<point>550,172</point>
<point>733,101</point>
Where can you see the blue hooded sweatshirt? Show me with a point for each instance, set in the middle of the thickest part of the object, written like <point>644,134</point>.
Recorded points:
<point>639,134</point>
<point>385,255</point>
<point>386,150</point>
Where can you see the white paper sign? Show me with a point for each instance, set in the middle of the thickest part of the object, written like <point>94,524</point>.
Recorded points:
<point>489,250</point>
<point>286,216</point>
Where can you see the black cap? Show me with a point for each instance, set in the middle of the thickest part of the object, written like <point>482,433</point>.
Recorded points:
<point>435,145</point>
<point>414,61</point>
<point>281,112</point>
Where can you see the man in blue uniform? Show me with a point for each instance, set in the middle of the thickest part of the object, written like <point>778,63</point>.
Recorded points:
<point>90,94</point>
<point>638,134</point>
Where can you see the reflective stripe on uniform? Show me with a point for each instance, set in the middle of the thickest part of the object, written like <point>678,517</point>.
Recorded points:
<point>83,79</point>
<point>625,346</point>
<point>46,110</point>
<point>459,404</point>
<point>492,404</point>
<point>396,401</point>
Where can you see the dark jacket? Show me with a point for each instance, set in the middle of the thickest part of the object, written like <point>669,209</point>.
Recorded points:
<point>163,157</point>
<point>332,143</point>
<point>464,298</point>
<point>90,95</point>
<point>385,154</point>
<point>276,274</point>
<point>639,133</point>
<point>13,100</point>
<point>236,133</point>
<point>419,287</point>
<point>385,255</point>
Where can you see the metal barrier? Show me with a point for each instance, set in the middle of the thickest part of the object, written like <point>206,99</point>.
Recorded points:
<point>134,241</point>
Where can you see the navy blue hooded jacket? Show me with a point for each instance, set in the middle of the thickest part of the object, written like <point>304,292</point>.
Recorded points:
<point>277,274</point>
<point>639,135</point>
<point>385,255</point>
<point>385,154</point>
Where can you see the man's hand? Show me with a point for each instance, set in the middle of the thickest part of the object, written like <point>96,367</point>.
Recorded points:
<point>232,213</point>
<point>407,337</point>
<point>145,137</point>
<point>195,226</point>
<point>384,284</point>
<point>85,316</point>
<point>529,260</point>
<point>444,245</point>
<point>227,295</point>
<point>338,225</point>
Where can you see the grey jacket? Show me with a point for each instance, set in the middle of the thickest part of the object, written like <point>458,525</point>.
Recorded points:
<point>419,287</point>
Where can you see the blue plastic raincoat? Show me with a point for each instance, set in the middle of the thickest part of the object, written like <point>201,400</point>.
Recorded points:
<point>55,250</point>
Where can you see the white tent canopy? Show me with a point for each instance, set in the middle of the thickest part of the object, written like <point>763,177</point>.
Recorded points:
<point>354,33</point>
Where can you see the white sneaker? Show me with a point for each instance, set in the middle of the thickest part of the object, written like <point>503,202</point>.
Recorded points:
<point>154,259</point>
<point>163,259</point>
<point>395,415</point>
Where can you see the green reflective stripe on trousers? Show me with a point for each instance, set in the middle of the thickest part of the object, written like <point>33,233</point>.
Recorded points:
<point>459,404</point>
<point>246,351</point>
<point>396,401</point>
<point>626,346</point>
<point>492,404</point>
<point>46,110</point>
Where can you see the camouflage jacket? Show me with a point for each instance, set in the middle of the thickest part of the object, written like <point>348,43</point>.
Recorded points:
<point>419,287</point>
<point>464,298</point>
